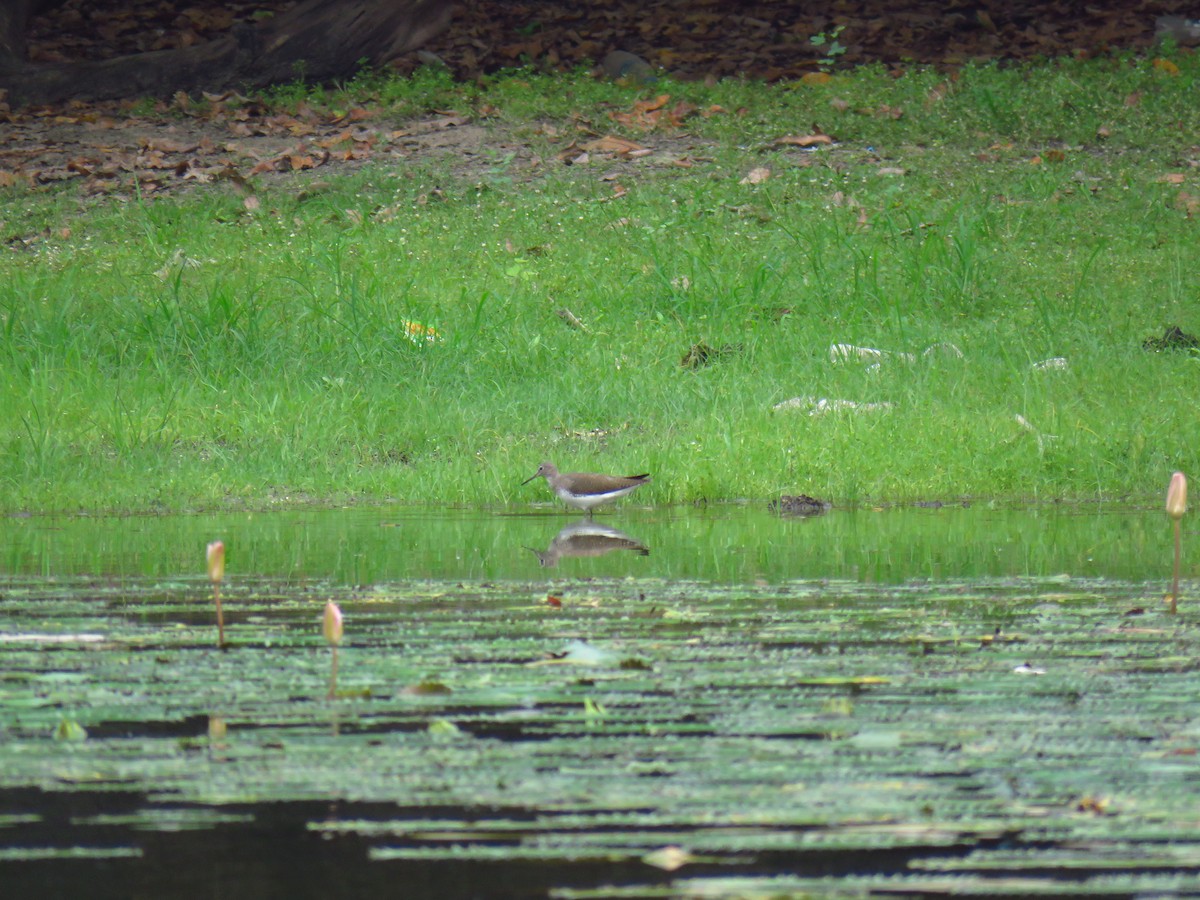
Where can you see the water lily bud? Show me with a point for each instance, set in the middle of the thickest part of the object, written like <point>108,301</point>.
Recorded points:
<point>216,561</point>
<point>1177,496</point>
<point>332,624</point>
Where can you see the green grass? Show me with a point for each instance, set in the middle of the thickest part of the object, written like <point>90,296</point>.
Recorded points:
<point>183,352</point>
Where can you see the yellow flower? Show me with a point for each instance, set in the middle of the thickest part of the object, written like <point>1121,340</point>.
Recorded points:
<point>417,332</point>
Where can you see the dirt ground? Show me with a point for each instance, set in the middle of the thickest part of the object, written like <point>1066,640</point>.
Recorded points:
<point>691,38</point>
<point>113,151</point>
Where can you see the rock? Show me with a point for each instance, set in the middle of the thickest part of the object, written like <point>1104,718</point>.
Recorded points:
<point>702,354</point>
<point>1184,32</point>
<point>799,505</point>
<point>620,65</point>
<point>1174,338</point>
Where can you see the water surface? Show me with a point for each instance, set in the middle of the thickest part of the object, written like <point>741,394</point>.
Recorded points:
<point>676,702</point>
<point>638,738</point>
<point>726,543</point>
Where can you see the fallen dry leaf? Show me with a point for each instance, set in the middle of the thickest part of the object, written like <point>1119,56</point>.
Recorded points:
<point>937,93</point>
<point>679,112</point>
<point>612,144</point>
<point>756,175</point>
<point>645,106</point>
<point>805,140</point>
<point>1187,204</point>
<point>652,113</point>
<point>166,145</point>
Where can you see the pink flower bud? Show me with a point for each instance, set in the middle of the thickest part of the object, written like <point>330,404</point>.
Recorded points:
<point>1177,496</point>
<point>332,624</point>
<point>216,561</point>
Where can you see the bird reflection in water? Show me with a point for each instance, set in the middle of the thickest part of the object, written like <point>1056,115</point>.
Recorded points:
<point>587,538</point>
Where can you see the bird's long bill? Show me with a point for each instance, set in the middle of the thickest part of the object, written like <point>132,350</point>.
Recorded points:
<point>530,478</point>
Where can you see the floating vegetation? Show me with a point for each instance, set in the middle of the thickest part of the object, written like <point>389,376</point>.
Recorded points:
<point>812,737</point>
<point>29,854</point>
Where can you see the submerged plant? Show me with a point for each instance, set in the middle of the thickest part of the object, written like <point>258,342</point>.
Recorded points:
<point>70,730</point>
<point>216,573</point>
<point>331,626</point>
<point>1176,507</point>
<point>217,728</point>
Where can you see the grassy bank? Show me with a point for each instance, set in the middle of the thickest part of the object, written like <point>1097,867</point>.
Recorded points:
<point>192,350</point>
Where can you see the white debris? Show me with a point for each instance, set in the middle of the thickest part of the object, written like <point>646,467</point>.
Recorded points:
<point>945,348</point>
<point>579,653</point>
<point>30,638</point>
<point>1042,439</point>
<point>819,406</point>
<point>668,858</point>
<point>1054,362</point>
<point>841,353</point>
<point>847,353</point>
<point>1027,669</point>
<point>176,264</point>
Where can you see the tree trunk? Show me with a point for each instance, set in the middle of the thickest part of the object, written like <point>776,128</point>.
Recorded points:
<point>317,40</point>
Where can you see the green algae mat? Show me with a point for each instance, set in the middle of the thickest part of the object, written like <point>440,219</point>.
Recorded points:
<point>606,738</point>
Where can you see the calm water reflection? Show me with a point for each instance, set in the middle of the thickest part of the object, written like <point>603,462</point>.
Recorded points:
<point>723,543</point>
<point>588,537</point>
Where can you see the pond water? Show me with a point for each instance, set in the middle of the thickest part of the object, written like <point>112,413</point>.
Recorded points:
<point>726,544</point>
<point>675,703</point>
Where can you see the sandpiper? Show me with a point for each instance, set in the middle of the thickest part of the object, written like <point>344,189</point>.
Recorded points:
<point>585,490</point>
